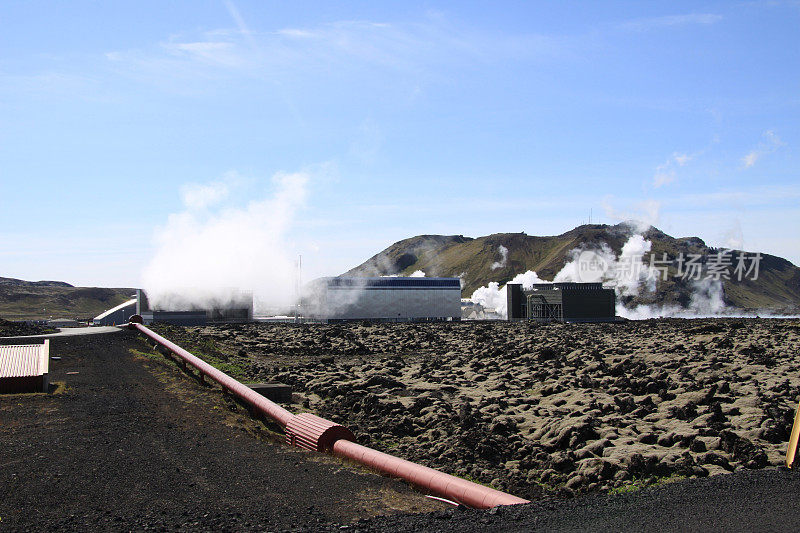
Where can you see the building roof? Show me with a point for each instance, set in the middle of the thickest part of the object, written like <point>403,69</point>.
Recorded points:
<point>115,309</point>
<point>394,283</point>
<point>24,360</point>
<point>568,285</point>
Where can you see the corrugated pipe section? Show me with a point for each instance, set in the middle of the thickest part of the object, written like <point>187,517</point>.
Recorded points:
<point>314,433</point>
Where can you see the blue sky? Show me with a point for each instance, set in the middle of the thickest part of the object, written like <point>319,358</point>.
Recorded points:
<point>403,118</point>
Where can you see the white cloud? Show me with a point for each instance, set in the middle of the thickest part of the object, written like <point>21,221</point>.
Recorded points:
<point>750,159</point>
<point>416,49</point>
<point>663,177</point>
<point>770,144</point>
<point>665,173</point>
<point>672,21</point>
<point>240,23</point>
<point>200,196</point>
<point>219,53</point>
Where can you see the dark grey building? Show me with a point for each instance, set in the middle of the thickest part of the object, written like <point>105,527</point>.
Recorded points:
<point>561,302</point>
<point>238,308</point>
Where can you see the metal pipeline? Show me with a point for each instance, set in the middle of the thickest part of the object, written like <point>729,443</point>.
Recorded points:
<point>314,433</point>
<point>245,393</point>
<point>450,487</point>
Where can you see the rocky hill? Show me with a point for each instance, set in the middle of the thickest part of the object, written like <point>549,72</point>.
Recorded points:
<point>36,300</point>
<point>502,256</point>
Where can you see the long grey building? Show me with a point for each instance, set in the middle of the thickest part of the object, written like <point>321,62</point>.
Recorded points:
<point>561,302</point>
<point>237,307</point>
<point>383,299</point>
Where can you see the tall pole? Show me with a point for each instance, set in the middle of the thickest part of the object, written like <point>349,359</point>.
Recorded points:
<point>297,288</point>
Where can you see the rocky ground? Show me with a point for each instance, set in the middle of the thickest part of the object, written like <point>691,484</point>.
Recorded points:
<point>9,328</point>
<point>534,410</point>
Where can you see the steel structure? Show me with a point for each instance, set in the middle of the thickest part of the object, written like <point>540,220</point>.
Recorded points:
<point>561,302</point>
<point>314,433</point>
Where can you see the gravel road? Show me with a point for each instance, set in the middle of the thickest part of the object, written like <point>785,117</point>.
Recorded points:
<point>762,500</point>
<point>127,443</point>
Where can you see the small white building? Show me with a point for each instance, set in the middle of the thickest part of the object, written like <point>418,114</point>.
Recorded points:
<point>384,299</point>
<point>25,367</point>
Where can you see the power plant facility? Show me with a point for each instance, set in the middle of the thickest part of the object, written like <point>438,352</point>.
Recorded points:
<point>561,302</point>
<point>117,315</point>
<point>381,299</point>
<point>235,307</point>
<point>389,299</point>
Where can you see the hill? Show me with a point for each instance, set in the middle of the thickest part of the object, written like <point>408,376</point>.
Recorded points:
<point>37,300</point>
<point>502,256</point>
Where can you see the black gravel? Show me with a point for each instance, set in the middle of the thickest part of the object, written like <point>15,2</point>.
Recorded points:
<point>132,444</point>
<point>764,500</point>
<point>128,443</point>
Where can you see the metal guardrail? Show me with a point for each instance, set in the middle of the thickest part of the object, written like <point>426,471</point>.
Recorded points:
<point>314,433</point>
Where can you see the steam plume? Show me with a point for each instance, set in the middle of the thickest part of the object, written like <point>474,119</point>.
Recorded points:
<point>627,273</point>
<point>503,258</point>
<point>210,248</point>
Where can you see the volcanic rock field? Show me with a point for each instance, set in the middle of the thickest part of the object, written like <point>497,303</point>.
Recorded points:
<point>538,410</point>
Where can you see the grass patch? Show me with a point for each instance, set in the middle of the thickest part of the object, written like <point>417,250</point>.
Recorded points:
<point>473,479</point>
<point>233,369</point>
<point>386,444</point>
<point>639,484</point>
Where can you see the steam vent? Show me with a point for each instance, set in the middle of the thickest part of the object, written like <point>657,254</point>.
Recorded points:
<point>561,302</point>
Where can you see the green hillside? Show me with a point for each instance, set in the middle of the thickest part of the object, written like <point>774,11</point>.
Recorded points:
<point>777,286</point>
<point>36,300</point>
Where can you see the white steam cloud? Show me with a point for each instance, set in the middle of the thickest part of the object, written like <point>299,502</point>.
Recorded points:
<point>210,249</point>
<point>503,258</point>
<point>493,296</point>
<point>627,273</point>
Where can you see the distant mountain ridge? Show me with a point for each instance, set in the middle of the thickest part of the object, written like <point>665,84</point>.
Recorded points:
<point>32,300</point>
<point>22,283</point>
<point>777,286</point>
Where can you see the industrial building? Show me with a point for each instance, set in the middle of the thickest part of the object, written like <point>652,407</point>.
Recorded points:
<point>388,299</point>
<point>25,368</point>
<point>561,302</point>
<point>236,307</point>
<point>117,315</point>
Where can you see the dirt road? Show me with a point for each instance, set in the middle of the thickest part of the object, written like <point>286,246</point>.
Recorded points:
<point>129,443</point>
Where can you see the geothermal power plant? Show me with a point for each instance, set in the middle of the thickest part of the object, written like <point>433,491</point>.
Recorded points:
<point>561,302</point>
<point>387,299</point>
